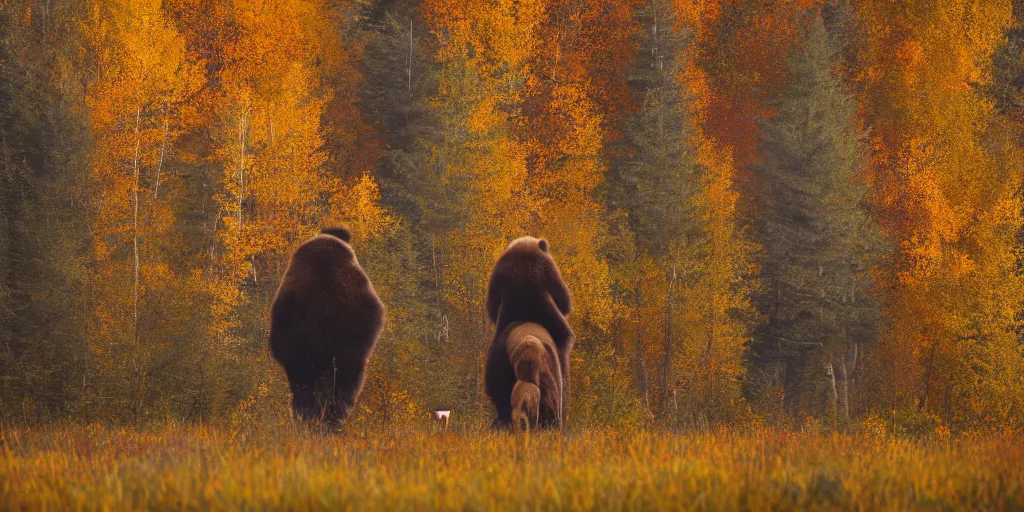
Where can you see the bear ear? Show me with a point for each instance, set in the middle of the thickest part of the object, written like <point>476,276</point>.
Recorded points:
<point>543,244</point>
<point>338,232</point>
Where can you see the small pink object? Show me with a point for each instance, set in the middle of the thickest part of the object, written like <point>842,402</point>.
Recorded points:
<point>441,416</point>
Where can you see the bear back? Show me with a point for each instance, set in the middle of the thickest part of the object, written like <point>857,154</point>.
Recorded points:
<point>325,294</point>
<point>525,286</point>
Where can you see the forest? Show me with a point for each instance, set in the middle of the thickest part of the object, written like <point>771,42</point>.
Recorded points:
<point>782,213</point>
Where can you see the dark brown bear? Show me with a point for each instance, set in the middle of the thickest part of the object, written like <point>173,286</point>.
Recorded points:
<point>525,286</point>
<point>324,323</point>
<point>537,393</point>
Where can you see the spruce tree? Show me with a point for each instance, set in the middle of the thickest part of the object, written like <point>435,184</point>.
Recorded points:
<point>42,357</point>
<point>399,100</point>
<point>657,180</point>
<point>818,235</point>
<point>655,184</point>
<point>401,79</point>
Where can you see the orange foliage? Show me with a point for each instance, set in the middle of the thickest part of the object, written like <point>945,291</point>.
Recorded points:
<point>136,113</point>
<point>949,200</point>
<point>742,47</point>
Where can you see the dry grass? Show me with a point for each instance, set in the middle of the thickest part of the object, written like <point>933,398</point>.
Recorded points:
<point>173,467</point>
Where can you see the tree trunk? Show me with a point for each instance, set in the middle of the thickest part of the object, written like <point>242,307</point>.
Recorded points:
<point>160,162</point>
<point>834,396</point>
<point>923,401</point>
<point>641,371</point>
<point>242,127</point>
<point>709,354</point>
<point>135,225</point>
<point>666,369</point>
<point>844,393</point>
<point>852,371</point>
<point>140,376</point>
<point>410,58</point>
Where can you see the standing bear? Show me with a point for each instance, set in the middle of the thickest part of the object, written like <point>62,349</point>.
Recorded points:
<point>528,359</point>
<point>324,323</point>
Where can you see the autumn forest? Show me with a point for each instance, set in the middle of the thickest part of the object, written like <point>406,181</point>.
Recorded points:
<point>778,213</point>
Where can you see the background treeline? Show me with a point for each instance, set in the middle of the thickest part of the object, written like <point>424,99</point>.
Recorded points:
<point>782,211</point>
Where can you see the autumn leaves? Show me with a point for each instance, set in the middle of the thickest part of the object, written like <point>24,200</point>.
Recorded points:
<point>198,142</point>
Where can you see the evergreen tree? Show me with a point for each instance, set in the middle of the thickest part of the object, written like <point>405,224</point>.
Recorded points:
<point>42,356</point>
<point>657,181</point>
<point>1008,72</point>
<point>818,236</point>
<point>1007,92</point>
<point>401,78</point>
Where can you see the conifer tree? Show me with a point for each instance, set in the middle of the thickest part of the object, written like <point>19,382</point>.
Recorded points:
<point>400,80</point>
<point>819,238</point>
<point>656,183</point>
<point>42,213</point>
<point>682,263</point>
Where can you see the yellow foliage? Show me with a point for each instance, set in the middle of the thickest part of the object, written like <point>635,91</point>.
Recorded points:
<point>366,468</point>
<point>939,187</point>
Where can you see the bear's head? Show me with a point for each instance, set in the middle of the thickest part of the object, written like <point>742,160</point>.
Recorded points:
<point>338,232</point>
<point>345,236</point>
<point>528,243</point>
<point>527,268</point>
<point>330,247</point>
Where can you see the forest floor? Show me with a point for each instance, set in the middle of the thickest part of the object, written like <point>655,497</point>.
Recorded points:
<point>201,468</point>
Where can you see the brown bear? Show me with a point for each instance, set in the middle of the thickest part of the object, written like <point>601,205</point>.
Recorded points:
<point>525,286</point>
<point>525,405</point>
<point>536,398</point>
<point>324,323</point>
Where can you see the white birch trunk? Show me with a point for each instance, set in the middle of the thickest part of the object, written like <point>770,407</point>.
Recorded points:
<point>160,162</point>
<point>135,224</point>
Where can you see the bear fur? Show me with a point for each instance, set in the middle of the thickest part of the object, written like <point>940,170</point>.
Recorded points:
<point>525,287</point>
<point>536,398</point>
<point>525,406</point>
<point>324,323</point>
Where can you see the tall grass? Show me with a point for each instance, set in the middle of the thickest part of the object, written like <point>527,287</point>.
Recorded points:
<point>176,467</point>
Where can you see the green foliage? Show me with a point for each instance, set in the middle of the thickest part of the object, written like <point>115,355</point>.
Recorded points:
<point>42,217</point>
<point>820,241</point>
<point>656,183</point>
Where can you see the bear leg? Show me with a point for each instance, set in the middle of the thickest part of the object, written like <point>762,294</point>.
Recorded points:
<point>339,390</point>
<point>302,381</point>
<point>304,402</point>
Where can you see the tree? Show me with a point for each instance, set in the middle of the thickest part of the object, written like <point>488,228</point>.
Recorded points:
<point>274,187</point>
<point>656,185</point>
<point>946,183</point>
<point>741,47</point>
<point>819,237</point>
<point>43,218</point>
<point>483,53</point>
<point>682,277</point>
<point>135,114</point>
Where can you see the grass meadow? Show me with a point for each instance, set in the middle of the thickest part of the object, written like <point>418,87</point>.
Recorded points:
<point>174,467</point>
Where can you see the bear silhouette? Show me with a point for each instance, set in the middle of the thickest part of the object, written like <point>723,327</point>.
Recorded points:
<point>324,323</point>
<point>526,288</point>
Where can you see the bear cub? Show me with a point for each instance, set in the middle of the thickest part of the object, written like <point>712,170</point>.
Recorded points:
<point>537,394</point>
